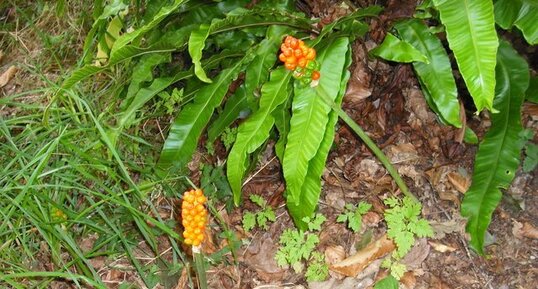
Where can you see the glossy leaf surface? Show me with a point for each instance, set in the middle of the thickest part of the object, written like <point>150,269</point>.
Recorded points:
<point>436,76</point>
<point>394,49</point>
<point>470,30</point>
<point>498,155</point>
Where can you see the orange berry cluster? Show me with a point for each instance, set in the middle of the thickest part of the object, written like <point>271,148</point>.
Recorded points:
<point>300,58</point>
<point>194,216</point>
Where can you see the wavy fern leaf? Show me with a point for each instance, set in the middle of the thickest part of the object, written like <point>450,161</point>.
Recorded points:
<point>309,118</point>
<point>470,30</point>
<point>527,21</point>
<point>311,189</point>
<point>506,12</point>
<point>234,105</point>
<point>193,117</point>
<point>196,45</point>
<point>252,133</point>
<point>436,76</point>
<point>282,115</point>
<point>128,37</point>
<point>394,49</point>
<point>498,155</point>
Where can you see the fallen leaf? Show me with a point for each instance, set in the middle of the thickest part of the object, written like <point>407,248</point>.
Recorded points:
<point>436,283</point>
<point>7,75</point>
<point>417,254</point>
<point>335,254</point>
<point>440,229</point>
<point>521,230</point>
<point>441,247</point>
<point>408,280</point>
<point>459,182</point>
<point>260,256</point>
<point>355,264</point>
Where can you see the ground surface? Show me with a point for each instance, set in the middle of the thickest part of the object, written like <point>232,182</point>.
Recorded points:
<point>385,99</point>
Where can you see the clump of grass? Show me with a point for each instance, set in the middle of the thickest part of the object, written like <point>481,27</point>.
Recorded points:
<point>62,180</point>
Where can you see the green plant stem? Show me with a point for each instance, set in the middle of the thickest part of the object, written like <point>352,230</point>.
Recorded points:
<point>200,268</point>
<point>368,141</point>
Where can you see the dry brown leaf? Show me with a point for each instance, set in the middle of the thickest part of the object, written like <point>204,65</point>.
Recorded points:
<point>440,229</point>
<point>459,182</point>
<point>521,230</point>
<point>356,263</point>
<point>335,254</point>
<point>408,280</point>
<point>417,254</point>
<point>442,247</point>
<point>182,282</point>
<point>8,75</point>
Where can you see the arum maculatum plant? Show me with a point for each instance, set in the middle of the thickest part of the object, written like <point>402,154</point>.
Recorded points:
<point>229,75</point>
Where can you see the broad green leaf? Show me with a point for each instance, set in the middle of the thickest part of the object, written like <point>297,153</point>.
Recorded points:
<point>470,30</point>
<point>196,45</point>
<point>334,59</point>
<point>193,117</point>
<point>394,49</point>
<point>143,72</point>
<point>506,12</point>
<point>532,91</point>
<point>527,22</point>
<point>128,37</point>
<point>436,76</point>
<point>282,115</point>
<point>255,130</point>
<point>233,108</point>
<point>307,127</point>
<point>498,155</point>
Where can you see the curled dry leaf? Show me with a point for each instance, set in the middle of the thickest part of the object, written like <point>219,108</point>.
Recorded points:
<point>8,75</point>
<point>417,255</point>
<point>441,247</point>
<point>355,264</point>
<point>521,230</point>
<point>459,182</point>
<point>335,254</point>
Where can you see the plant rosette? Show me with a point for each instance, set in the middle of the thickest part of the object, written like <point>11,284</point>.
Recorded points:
<point>300,59</point>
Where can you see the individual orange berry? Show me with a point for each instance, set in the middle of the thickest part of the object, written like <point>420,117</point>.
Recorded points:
<point>201,224</point>
<point>294,43</point>
<point>199,208</point>
<point>316,75</point>
<point>282,57</point>
<point>290,66</point>
<point>196,243</point>
<point>190,242</point>
<point>298,53</point>
<point>300,43</point>
<point>291,59</point>
<point>288,39</point>
<point>302,62</point>
<point>287,52</point>
<point>197,231</point>
<point>201,199</point>
<point>311,54</point>
<point>198,192</point>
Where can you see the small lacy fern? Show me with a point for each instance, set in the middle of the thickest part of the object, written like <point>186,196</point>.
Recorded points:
<point>353,215</point>
<point>260,218</point>
<point>297,247</point>
<point>404,225</point>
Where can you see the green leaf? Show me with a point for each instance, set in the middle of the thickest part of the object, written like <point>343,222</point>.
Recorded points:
<point>143,72</point>
<point>435,77</point>
<point>363,207</point>
<point>258,200</point>
<point>532,91</point>
<point>342,218</point>
<point>309,119</point>
<point>128,37</point>
<point>196,45</point>
<point>531,157</point>
<point>470,30</point>
<point>255,130</point>
<point>527,23</point>
<point>498,155</point>
<point>506,12</point>
<point>249,221</point>
<point>312,185</point>
<point>470,136</point>
<point>233,108</point>
<point>394,49</point>
<point>282,115</point>
<point>191,120</point>
<point>388,282</point>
